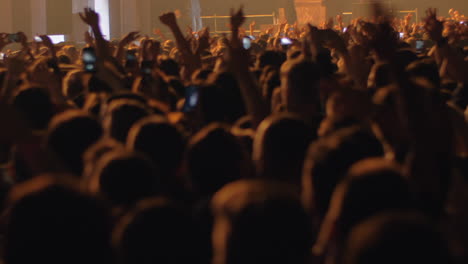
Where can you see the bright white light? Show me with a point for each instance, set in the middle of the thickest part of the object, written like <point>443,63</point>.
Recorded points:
<point>102,7</point>
<point>57,38</point>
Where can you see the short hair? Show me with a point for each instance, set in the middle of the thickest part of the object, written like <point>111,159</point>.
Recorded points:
<point>280,146</point>
<point>328,160</point>
<point>220,99</point>
<point>169,67</point>
<point>50,221</point>
<point>120,117</point>
<point>214,158</point>
<point>260,222</point>
<point>69,135</point>
<point>371,187</point>
<point>124,178</point>
<point>35,106</point>
<point>303,78</point>
<point>271,58</point>
<point>156,231</point>
<point>95,152</point>
<point>73,85</point>
<point>396,238</point>
<point>161,141</point>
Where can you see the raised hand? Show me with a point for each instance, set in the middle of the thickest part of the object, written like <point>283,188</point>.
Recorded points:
<point>253,24</point>
<point>237,18</point>
<point>16,65</point>
<point>408,18</point>
<point>269,30</point>
<point>90,17</point>
<point>168,19</point>
<point>127,39</point>
<point>48,44</point>
<point>203,40</point>
<point>433,26</point>
<point>22,38</point>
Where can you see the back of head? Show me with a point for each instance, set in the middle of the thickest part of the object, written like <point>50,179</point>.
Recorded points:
<point>232,101</point>
<point>156,231</point>
<point>69,135</point>
<point>220,100</point>
<point>35,106</point>
<point>405,57</point>
<point>372,186</point>
<point>124,178</point>
<point>395,238</point>
<point>95,152</point>
<point>120,117</point>
<point>328,161</point>
<point>73,85</point>
<point>271,58</point>
<point>169,67</point>
<point>214,157</point>
<point>161,141</point>
<point>280,146</point>
<point>49,222</point>
<point>260,222</point>
<point>300,83</point>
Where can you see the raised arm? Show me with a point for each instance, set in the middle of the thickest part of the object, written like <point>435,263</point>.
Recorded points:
<point>120,52</point>
<point>91,18</point>
<point>455,65</point>
<point>238,59</point>
<point>191,61</point>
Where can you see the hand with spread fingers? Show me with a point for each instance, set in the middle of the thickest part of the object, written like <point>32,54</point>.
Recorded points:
<point>90,17</point>
<point>433,26</point>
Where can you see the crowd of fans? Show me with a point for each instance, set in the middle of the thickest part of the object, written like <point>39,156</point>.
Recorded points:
<point>346,143</point>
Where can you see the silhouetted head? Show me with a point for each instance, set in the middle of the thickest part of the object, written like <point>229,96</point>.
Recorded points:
<point>328,161</point>
<point>214,158</point>
<point>125,178</point>
<point>74,87</point>
<point>260,222</point>
<point>405,57</point>
<point>69,135</point>
<point>220,100</point>
<point>51,223</point>
<point>280,145</point>
<point>35,106</point>
<point>156,231</point>
<point>169,67</point>
<point>271,58</point>
<point>120,116</point>
<point>95,152</point>
<point>300,84</point>
<point>371,187</point>
<point>161,141</point>
<point>396,238</point>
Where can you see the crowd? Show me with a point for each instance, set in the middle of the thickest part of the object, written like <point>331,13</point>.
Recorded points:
<point>343,143</point>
